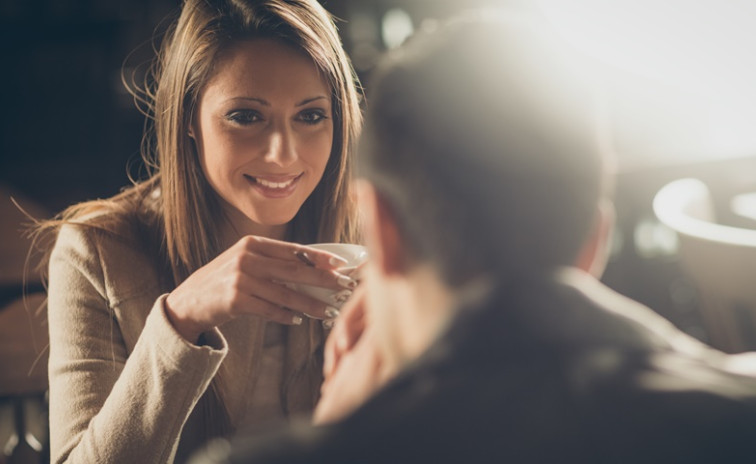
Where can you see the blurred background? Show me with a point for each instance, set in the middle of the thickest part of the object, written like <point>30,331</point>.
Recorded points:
<point>680,80</point>
<point>680,87</point>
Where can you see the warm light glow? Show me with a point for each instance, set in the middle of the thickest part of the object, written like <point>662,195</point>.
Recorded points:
<point>696,59</point>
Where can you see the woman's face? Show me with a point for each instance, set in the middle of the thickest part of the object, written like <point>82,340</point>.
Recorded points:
<point>264,130</point>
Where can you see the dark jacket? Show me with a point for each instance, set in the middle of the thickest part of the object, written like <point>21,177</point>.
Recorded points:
<point>558,371</point>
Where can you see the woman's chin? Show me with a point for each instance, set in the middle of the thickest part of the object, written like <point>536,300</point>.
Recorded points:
<point>272,220</point>
<point>272,225</point>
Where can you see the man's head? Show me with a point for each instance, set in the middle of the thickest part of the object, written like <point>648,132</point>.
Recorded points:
<point>480,155</point>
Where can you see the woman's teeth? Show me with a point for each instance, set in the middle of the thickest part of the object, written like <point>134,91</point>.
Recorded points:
<point>274,185</point>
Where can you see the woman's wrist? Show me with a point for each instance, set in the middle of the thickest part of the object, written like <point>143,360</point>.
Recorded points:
<point>186,328</point>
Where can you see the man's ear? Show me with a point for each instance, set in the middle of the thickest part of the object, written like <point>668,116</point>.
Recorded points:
<point>381,230</point>
<point>595,252</point>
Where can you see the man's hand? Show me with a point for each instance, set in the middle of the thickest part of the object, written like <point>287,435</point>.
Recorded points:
<point>346,332</point>
<point>352,368</point>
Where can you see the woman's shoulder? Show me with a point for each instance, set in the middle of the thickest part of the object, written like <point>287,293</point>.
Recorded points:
<point>126,216</point>
<point>90,234</point>
<point>103,221</point>
<point>120,236</point>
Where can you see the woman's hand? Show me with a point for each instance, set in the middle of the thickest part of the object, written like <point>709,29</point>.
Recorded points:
<point>248,278</point>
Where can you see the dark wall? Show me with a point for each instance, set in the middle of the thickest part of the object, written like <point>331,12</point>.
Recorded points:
<point>68,126</point>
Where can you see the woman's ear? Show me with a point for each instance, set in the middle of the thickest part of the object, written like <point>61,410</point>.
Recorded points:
<point>595,252</point>
<point>381,230</point>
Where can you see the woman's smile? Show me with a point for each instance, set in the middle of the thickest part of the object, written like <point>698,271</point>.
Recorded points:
<point>274,186</point>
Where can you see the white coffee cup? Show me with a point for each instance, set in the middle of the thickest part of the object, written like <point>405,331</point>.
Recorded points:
<point>355,255</point>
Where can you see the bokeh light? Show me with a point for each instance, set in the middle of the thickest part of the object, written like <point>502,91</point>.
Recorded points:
<point>396,26</point>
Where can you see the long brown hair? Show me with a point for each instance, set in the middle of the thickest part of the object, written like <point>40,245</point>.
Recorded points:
<point>184,65</point>
<point>184,212</point>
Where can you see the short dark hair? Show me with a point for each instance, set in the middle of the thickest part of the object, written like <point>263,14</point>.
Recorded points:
<point>481,136</point>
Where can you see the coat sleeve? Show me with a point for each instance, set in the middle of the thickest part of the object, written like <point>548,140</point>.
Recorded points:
<point>106,404</point>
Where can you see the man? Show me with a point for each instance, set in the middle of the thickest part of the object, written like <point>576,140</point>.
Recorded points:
<point>480,333</point>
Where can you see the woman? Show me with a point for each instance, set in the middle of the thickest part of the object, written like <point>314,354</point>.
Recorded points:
<point>169,319</point>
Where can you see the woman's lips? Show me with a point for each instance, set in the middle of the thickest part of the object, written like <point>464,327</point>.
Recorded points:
<point>274,186</point>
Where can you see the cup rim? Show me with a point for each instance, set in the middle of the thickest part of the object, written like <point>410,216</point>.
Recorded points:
<point>354,248</point>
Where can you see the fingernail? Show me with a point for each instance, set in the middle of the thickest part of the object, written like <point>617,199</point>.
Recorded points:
<point>296,320</point>
<point>328,323</point>
<point>342,296</point>
<point>337,261</point>
<point>346,281</point>
<point>331,312</point>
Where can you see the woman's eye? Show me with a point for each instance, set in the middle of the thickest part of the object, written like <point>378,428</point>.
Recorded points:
<point>243,117</point>
<point>312,116</point>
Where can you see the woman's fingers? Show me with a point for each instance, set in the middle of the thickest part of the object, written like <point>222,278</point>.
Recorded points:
<point>267,310</point>
<point>288,251</point>
<point>282,296</point>
<point>293,271</point>
<point>263,277</point>
<point>355,272</point>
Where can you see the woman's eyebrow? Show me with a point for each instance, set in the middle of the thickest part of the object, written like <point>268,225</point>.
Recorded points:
<point>312,99</point>
<point>261,101</point>
<point>265,102</point>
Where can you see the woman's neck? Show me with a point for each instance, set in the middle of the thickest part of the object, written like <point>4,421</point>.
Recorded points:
<point>236,225</point>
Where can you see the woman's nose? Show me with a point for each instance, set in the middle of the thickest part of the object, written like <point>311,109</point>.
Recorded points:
<point>281,147</point>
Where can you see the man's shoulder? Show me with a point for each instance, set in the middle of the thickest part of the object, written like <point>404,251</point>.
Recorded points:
<point>536,414</point>
<point>670,407</point>
<point>651,391</point>
<point>587,376</point>
<point>548,408</point>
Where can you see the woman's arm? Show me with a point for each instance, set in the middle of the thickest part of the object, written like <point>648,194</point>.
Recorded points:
<point>108,405</point>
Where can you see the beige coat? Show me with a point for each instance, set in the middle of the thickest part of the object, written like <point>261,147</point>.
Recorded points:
<point>123,383</point>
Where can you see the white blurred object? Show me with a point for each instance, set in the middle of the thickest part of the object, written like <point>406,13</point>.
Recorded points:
<point>720,259</point>
<point>744,205</point>
<point>396,26</point>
